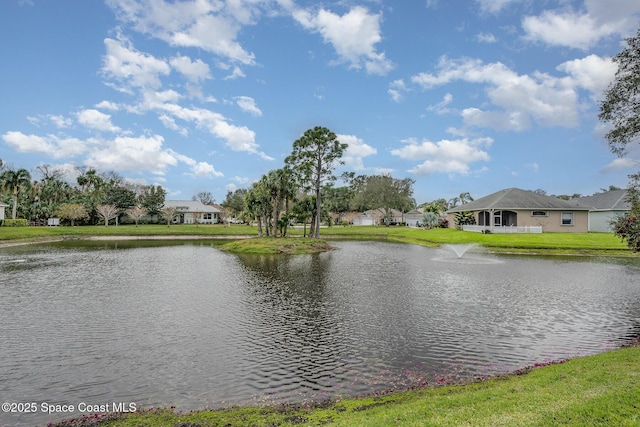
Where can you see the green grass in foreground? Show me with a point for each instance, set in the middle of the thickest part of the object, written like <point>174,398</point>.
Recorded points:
<point>265,245</point>
<point>600,390</point>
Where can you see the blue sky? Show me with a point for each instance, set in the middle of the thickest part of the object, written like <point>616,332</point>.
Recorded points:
<point>208,95</point>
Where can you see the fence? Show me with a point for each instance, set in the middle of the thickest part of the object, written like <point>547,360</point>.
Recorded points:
<point>497,229</point>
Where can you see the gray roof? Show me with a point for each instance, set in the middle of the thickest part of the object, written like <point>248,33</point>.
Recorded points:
<point>190,206</point>
<point>515,198</point>
<point>615,200</point>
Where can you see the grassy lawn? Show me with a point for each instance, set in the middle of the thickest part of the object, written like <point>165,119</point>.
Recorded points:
<point>545,243</point>
<point>600,390</point>
<point>34,233</point>
<point>265,245</point>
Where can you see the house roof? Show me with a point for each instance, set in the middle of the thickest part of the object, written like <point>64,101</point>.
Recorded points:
<point>615,200</point>
<point>190,206</point>
<point>514,199</point>
<point>3,205</point>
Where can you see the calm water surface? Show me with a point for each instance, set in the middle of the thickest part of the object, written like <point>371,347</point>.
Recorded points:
<point>185,324</point>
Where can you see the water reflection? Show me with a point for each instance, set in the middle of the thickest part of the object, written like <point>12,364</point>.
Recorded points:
<point>185,324</point>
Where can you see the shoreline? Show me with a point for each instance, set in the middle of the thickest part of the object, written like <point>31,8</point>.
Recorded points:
<point>537,394</point>
<point>10,244</point>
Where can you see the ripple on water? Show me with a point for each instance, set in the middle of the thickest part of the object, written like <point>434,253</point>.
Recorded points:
<point>191,326</point>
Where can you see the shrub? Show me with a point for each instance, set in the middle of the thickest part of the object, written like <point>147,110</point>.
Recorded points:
<point>627,227</point>
<point>18,222</point>
<point>464,218</point>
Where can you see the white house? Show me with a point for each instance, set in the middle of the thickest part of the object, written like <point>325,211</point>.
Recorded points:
<point>2,206</point>
<point>193,212</point>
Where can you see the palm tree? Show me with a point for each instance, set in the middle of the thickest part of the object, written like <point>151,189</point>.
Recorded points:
<point>14,181</point>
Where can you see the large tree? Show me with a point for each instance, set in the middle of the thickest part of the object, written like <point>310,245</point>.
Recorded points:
<point>235,201</point>
<point>15,181</point>
<point>257,206</point>
<point>152,198</point>
<point>621,106</point>
<point>204,197</point>
<point>314,158</point>
<point>71,211</point>
<point>385,193</point>
<point>621,109</point>
<point>107,213</point>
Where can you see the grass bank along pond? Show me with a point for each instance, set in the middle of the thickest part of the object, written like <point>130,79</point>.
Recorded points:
<point>184,324</point>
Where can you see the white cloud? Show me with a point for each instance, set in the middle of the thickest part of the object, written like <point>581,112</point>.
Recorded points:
<point>108,105</point>
<point>52,145</point>
<point>356,151</point>
<point>209,25</point>
<point>238,138</point>
<point>135,154</point>
<point>205,170</point>
<point>60,121</point>
<point>131,68</point>
<point>28,143</point>
<point>194,71</point>
<point>486,38</point>
<point>448,156</point>
<point>520,99</point>
<point>353,35</point>
<point>493,6</point>
<point>565,29</point>
<point>441,107</point>
<point>396,90</point>
<point>592,73</point>
<point>94,119</point>
<point>248,104</point>
<point>620,164</point>
<point>170,123</point>
<point>582,29</point>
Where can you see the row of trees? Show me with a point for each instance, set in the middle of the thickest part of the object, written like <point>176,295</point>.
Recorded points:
<point>93,197</point>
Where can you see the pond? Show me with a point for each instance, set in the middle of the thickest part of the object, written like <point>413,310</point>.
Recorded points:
<point>185,324</point>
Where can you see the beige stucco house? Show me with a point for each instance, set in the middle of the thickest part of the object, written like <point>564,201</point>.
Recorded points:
<point>514,207</point>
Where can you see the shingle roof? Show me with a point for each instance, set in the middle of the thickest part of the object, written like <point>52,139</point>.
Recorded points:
<point>615,200</point>
<point>515,198</point>
<point>190,206</point>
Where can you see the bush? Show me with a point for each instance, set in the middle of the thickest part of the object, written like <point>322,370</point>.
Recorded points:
<point>18,222</point>
<point>464,218</point>
<point>627,227</point>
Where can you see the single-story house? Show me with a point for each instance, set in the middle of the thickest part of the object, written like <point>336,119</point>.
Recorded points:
<point>370,217</point>
<point>604,207</point>
<point>193,212</point>
<point>414,218</point>
<point>2,206</point>
<point>514,207</point>
<point>377,217</point>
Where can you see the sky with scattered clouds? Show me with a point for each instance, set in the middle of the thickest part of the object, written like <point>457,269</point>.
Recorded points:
<point>208,95</point>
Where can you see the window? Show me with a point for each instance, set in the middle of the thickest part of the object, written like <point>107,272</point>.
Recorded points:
<point>206,216</point>
<point>539,213</point>
<point>567,218</point>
